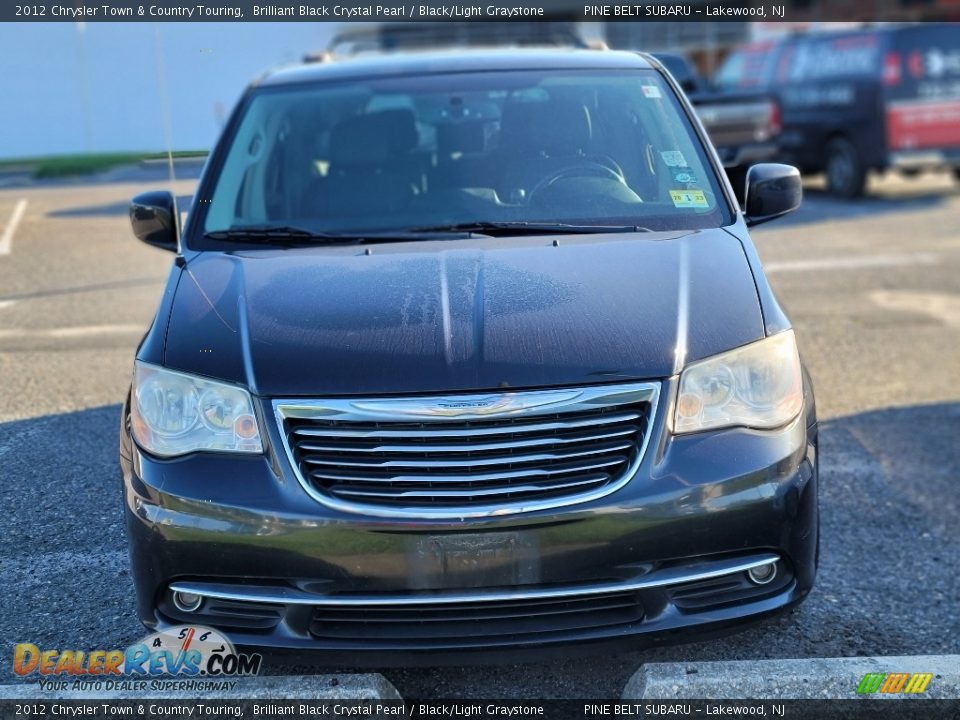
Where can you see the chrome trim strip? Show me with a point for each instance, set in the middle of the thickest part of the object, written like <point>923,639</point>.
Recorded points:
<point>445,407</point>
<point>479,432</point>
<point>293,596</point>
<point>505,445</point>
<point>486,492</point>
<point>532,474</point>
<point>440,408</point>
<point>470,462</point>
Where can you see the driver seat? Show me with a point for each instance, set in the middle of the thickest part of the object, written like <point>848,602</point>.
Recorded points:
<point>538,139</point>
<point>372,167</point>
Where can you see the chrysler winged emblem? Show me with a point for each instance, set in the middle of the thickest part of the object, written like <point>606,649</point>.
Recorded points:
<point>465,405</point>
<point>473,406</point>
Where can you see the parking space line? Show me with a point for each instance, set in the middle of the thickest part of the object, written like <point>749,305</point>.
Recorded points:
<point>70,332</point>
<point>939,306</point>
<point>851,263</point>
<point>6,240</point>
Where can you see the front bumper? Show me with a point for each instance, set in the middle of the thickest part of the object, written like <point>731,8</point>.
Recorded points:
<point>916,160</point>
<point>663,558</point>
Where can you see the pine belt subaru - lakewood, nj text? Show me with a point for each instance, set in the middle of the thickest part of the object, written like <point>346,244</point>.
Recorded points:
<point>462,352</point>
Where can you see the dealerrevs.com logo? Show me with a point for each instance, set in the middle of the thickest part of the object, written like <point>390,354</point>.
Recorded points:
<point>184,652</point>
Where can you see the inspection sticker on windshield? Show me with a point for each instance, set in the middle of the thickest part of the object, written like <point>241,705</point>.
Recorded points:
<point>651,91</point>
<point>673,158</point>
<point>688,198</point>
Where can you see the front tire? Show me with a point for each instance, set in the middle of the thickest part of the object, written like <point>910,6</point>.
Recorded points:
<point>846,174</point>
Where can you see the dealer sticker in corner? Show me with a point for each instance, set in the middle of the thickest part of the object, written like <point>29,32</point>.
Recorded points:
<point>673,158</point>
<point>689,199</point>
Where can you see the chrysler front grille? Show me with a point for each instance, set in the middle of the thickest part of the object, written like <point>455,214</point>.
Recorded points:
<point>468,455</point>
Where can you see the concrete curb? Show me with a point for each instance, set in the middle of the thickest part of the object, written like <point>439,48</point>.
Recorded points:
<point>812,678</point>
<point>369,686</point>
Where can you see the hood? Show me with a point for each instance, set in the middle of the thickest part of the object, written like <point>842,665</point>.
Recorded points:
<point>460,315</point>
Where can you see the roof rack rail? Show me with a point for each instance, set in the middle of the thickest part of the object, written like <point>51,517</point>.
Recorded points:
<point>392,37</point>
<point>321,56</point>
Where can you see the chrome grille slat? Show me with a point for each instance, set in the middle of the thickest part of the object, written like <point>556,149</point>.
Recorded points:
<point>470,477</point>
<point>468,455</point>
<point>468,461</point>
<point>475,447</point>
<point>462,493</point>
<point>440,431</point>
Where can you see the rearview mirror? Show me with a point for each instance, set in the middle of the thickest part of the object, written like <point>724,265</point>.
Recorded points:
<point>772,190</point>
<point>155,221</point>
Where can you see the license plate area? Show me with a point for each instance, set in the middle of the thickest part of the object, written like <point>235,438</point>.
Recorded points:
<point>473,560</point>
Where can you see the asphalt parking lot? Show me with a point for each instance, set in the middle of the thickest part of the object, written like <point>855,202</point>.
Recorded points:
<point>873,288</point>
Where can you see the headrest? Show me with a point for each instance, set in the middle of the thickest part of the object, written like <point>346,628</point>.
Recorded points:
<point>373,138</point>
<point>552,127</point>
<point>464,137</point>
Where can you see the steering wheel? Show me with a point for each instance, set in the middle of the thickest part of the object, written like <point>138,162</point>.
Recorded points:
<point>584,169</point>
<point>609,162</point>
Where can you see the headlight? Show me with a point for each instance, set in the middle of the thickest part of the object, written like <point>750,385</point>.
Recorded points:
<point>174,413</point>
<point>758,385</point>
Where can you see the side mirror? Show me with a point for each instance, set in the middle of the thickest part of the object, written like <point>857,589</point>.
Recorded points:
<point>772,190</point>
<point>155,220</point>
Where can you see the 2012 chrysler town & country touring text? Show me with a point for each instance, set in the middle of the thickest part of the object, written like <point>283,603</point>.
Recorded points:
<point>465,352</point>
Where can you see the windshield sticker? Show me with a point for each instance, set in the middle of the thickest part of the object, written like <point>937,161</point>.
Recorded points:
<point>651,91</point>
<point>685,176</point>
<point>673,158</point>
<point>689,199</point>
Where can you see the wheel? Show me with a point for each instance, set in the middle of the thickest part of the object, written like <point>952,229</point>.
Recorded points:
<point>956,174</point>
<point>846,175</point>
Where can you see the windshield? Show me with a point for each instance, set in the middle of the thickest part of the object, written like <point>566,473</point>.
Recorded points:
<point>409,153</point>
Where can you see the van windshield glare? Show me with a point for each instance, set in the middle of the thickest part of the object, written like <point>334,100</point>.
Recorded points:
<point>553,146</point>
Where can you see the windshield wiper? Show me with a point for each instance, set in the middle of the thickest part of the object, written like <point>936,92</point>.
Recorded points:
<point>522,227</point>
<point>287,235</point>
<point>268,233</point>
<point>291,235</point>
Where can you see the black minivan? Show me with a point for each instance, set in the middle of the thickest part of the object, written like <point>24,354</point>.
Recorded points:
<point>468,351</point>
<point>859,100</point>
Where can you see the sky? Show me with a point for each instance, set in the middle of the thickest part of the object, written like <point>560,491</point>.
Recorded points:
<point>66,88</point>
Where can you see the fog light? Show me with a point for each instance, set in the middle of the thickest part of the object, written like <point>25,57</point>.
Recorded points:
<point>187,602</point>
<point>763,575</point>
